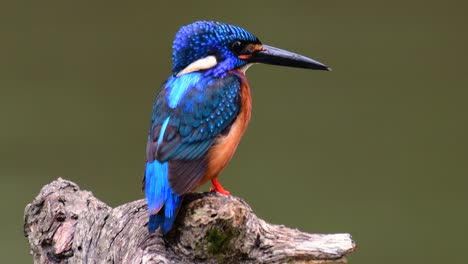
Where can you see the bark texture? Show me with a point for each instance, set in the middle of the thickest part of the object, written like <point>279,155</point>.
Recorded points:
<point>67,225</point>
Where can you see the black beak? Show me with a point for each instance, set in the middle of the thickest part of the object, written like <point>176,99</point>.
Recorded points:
<point>275,56</point>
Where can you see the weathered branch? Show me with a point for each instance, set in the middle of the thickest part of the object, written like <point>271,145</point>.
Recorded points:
<point>67,225</point>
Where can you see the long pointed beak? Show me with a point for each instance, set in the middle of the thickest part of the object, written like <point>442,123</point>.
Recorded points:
<point>275,56</point>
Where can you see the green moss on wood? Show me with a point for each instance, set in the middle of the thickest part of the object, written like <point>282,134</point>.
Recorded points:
<point>218,239</point>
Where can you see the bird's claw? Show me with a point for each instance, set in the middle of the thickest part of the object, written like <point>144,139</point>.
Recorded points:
<point>222,191</point>
<point>217,187</point>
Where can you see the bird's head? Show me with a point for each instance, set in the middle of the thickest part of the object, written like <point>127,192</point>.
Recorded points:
<point>217,47</point>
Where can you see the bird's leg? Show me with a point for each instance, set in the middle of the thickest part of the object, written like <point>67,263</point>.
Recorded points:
<point>217,187</point>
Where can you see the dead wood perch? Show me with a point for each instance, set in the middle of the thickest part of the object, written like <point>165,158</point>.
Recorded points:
<point>67,225</point>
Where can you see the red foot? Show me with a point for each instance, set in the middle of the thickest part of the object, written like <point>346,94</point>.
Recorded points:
<point>217,187</point>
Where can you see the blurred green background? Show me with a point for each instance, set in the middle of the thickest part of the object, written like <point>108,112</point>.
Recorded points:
<point>377,147</point>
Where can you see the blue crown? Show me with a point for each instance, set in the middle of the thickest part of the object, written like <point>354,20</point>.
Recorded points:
<point>204,38</point>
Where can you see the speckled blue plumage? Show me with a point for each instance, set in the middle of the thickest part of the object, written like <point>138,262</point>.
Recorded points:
<point>204,108</point>
<point>190,112</point>
<point>204,38</point>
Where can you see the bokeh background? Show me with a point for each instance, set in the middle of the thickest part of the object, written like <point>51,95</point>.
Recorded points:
<point>377,147</point>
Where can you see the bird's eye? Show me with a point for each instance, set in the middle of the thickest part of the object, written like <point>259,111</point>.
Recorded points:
<point>237,46</point>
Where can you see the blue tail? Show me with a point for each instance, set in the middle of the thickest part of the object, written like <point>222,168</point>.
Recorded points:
<point>163,203</point>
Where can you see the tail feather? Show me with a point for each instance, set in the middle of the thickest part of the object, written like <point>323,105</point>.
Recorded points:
<point>163,203</point>
<point>162,221</point>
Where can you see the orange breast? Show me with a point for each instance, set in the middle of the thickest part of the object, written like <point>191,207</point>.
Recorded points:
<point>223,149</point>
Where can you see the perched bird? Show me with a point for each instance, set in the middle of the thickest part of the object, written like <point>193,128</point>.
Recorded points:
<point>202,111</point>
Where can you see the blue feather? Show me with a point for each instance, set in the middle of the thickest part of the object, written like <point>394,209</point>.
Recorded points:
<point>179,86</point>
<point>160,197</point>
<point>157,184</point>
<point>163,130</point>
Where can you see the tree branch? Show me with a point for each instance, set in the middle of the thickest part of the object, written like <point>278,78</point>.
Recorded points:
<point>67,225</point>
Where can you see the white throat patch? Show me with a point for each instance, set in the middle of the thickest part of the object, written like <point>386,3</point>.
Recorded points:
<point>246,67</point>
<point>198,65</point>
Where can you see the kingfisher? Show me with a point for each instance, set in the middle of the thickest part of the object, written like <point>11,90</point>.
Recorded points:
<point>202,111</point>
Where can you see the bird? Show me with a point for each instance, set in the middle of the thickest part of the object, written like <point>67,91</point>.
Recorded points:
<point>202,111</point>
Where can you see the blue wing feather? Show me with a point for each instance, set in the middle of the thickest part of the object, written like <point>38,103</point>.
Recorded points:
<point>202,113</point>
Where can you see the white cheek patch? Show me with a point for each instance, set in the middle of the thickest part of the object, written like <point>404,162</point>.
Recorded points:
<point>198,65</point>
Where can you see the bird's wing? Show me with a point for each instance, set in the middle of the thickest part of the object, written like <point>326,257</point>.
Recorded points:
<point>190,129</point>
